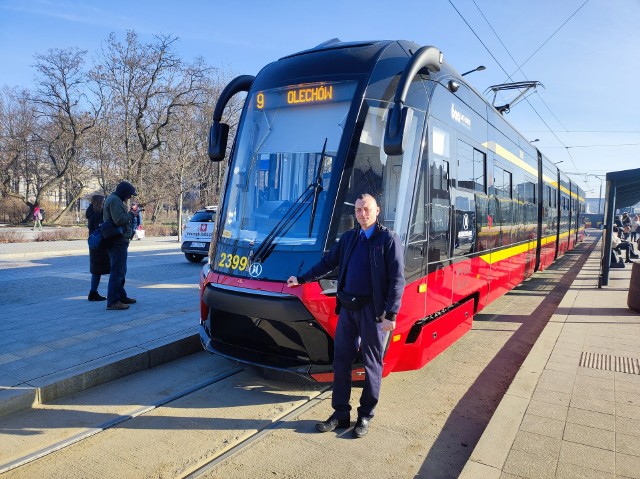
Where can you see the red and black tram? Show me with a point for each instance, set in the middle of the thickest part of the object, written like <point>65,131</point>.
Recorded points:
<point>478,208</point>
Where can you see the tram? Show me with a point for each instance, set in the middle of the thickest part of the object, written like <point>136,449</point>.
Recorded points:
<point>477,207</point>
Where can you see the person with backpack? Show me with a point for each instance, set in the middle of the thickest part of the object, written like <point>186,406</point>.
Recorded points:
<point>116,212</point>
<point>37,217</point>
<point>98,257</point>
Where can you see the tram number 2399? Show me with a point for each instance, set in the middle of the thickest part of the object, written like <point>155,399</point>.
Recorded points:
<point>233,261</point>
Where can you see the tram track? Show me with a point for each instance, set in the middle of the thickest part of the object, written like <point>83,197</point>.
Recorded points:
<point>116,421</point>
<point>229,412</point>
<point>211,463</point>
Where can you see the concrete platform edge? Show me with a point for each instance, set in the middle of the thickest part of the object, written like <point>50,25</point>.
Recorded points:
<point>491,451</point>
<point>93,373</point>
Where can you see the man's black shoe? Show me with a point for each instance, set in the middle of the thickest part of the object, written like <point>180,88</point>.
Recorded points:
<point>333,423</point>
<point>128,301</point>
<point>95,296</point>
<point>362,427</point>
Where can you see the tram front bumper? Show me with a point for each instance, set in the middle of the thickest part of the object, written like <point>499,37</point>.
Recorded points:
<point>273,331</point>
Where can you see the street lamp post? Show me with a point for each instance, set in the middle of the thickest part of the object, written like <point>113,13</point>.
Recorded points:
<point>477,69</point>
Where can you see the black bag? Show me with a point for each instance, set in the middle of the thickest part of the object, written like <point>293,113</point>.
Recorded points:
<point>110,230</point>
<point>352,303</point>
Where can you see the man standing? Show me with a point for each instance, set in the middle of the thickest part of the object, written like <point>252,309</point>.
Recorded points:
<point>114,209</point>
<point>370,263</point>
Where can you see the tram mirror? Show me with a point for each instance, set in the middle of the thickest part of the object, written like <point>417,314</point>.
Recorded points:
<point>397,122</point>
<point>218,135</point>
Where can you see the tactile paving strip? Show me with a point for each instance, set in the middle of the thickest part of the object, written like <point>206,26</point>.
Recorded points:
<point>609,362</point>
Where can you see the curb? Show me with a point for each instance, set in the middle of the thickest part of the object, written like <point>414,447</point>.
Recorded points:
<point>94,373</point>
<point>85,251</point>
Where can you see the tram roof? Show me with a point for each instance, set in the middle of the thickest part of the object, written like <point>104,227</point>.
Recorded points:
<point>335,44</point>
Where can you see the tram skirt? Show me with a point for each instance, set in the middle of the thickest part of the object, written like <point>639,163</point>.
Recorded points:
<point>633,300</point>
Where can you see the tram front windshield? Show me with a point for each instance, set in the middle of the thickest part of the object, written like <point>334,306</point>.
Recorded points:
<point>281,173</point>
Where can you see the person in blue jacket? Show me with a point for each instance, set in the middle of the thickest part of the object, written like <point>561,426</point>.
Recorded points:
<point>370,261</point>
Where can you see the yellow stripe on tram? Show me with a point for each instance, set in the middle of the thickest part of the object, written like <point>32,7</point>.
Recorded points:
<point>500,255</point>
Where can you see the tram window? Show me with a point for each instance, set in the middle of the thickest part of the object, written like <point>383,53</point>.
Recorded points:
<point>497,181</point>
<point>440,215</point>
<point>277,157</point>
<point>465,165</point>
<point>464,226</point>
<point>471,167</point>
<point>508,182</point>
<point>479,171</point>
<point>440,142</point>
<point>530,192</point>
<point>501,182</point>
<point>389,179</point>
<point>417,236</point>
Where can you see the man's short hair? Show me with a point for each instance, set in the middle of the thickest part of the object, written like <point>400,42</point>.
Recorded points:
<point>364,196</point>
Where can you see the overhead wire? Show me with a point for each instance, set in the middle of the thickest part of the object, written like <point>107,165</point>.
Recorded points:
<point>550,37</point>
<point>520,66</point>
<point>525,76</point>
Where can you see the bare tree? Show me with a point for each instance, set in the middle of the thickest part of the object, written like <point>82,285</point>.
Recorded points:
<point>148,85</point>
<point>66,110</point>
<point>141,114</point>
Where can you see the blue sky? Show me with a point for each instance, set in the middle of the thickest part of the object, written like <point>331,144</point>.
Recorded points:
<point>584,53</point>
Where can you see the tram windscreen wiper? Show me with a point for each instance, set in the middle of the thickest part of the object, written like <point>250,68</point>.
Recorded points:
<point>317,188</point>
<point>295,211</point>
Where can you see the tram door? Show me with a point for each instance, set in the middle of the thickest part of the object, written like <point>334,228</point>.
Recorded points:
<point>440,278</point>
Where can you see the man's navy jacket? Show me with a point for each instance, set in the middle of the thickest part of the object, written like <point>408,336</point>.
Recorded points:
<point>386,262</point>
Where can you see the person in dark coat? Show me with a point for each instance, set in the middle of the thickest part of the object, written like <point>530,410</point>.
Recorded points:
<point>98,258</point>
<point>115,210</point>
<point>370,262</point>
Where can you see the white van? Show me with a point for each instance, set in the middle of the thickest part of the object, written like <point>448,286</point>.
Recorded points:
<point>196,236</point>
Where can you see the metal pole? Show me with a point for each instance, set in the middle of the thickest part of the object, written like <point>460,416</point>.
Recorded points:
<point>610,206</point>
<point>600,198</point>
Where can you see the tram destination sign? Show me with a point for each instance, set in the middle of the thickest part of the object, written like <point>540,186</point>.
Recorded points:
<point>306,94</point>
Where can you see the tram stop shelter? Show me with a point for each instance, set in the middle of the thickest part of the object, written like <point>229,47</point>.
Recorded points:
<point>622,191</point>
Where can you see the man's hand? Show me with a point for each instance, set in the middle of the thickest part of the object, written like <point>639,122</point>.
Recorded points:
<point>388,325</point>
<point>292,282</point>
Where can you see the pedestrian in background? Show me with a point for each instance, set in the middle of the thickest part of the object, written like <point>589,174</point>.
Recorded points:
<point>98,257</point>
<point>116,211</point>
<point>136,219</point>
<point>37,217</point>
<point>635,228</point>
<point>370,262</point>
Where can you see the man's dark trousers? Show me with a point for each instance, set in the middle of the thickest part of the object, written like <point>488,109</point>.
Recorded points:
<point>354,325</point>
<point>118,259</point>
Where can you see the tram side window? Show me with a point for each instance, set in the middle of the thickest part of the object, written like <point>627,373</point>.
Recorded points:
<point>440,211</point>
<point>386,178</point>
<point>471,167</point>
<point>502,208</point>
<point>502,181</point>
<point>417,236</point>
